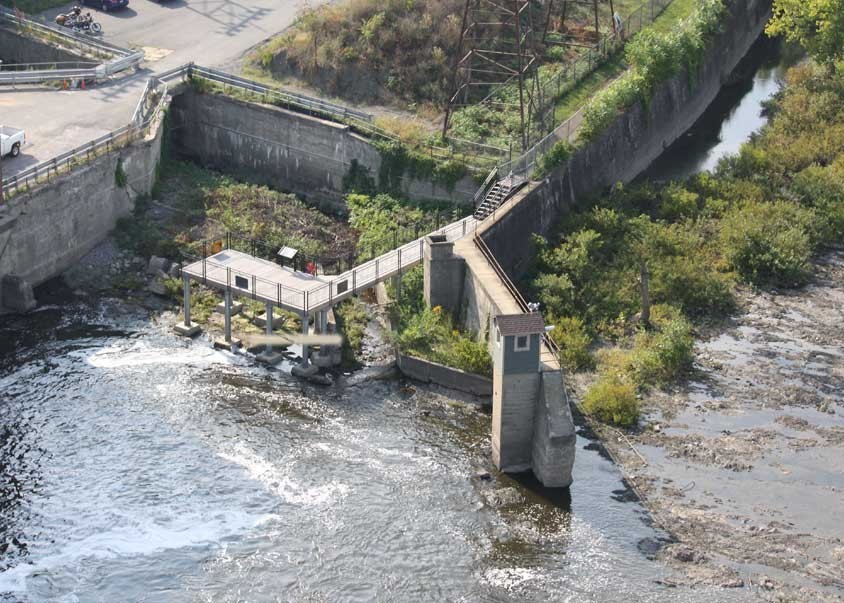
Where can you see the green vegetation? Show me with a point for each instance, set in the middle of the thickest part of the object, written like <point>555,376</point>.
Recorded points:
<point>612,401</point>
<point>574,341</point>
<point>430,334</point>
<point>120,174</point>
<point>351,323</point>
<point>398,161</point>
<point>557,156</point>
<point>817,25</point>
<point>654,55</point>
<point>382,221</point>
<point>758,220</point>
<point>419,330</point>
<point>202,204</point>
<point>367,50</point>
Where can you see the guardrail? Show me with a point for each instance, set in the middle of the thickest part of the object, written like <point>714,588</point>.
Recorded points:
<point>120,58</point>
<point>363,122</point>
<point>151,104</point>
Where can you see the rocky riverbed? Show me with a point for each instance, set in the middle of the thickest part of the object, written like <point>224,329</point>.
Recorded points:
<point>743,464</point>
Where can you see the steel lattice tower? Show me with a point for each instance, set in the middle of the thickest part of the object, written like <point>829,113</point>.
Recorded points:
<point>496,50</point>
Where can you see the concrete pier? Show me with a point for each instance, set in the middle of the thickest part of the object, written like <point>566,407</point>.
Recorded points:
<point>187,328</point>
<point>269,356</point>
<point>228,342</point>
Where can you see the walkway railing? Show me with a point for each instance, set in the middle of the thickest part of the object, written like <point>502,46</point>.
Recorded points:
<point>340,287</point>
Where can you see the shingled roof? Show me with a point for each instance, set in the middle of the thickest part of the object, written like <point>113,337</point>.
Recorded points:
<point>520,324</point>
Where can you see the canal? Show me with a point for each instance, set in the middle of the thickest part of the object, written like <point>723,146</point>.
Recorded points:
<point>137,466</point>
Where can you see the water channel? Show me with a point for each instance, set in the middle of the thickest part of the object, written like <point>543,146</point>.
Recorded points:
<point>137,466</point>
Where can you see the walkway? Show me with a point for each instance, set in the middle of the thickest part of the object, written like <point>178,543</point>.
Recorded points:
<point>250,276</point>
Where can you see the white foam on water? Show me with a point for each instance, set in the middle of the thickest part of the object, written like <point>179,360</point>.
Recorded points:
<point>141,354</point>
<point>139,539</point>
<point>279,483</point>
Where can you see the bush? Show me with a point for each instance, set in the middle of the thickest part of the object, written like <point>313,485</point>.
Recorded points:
<point>429,334</point>
<point>660,357</point>
<point>470,356</point>
<point>770,243</point>
<point>557,156</point>
<point>613,401</point>
<point>570,334</point>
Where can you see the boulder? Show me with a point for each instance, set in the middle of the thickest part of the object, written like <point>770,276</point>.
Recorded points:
<point>157,286</point>
<point>157,264</point>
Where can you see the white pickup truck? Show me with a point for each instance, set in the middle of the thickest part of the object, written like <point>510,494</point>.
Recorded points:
<point>11,141</point>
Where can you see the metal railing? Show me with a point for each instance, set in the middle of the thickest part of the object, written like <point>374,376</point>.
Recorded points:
<point>36,73</point>
<point>356,119</point>
<point>148,110</point>
<point>215,274</point>
<point>574,71</point>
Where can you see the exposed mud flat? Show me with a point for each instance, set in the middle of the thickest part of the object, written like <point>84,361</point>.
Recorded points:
<point>744,465</point>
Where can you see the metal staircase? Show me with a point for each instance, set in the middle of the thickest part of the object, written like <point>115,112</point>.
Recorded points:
<point>497,194</point>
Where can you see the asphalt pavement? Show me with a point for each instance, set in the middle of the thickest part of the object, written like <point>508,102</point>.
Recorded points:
<point>171,32</point>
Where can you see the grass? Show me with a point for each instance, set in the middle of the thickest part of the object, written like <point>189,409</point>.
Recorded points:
<point>576,97</point>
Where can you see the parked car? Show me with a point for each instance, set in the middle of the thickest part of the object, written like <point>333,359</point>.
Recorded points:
<point>106,5</point>
<point>11,141</point>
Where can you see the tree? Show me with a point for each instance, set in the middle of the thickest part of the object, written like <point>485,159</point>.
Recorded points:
<point>817,25</point>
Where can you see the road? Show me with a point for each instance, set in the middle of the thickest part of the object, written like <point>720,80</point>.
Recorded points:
<point>212,33</point>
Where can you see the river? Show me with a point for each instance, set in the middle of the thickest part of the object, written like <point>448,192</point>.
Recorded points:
<point>735,114</point>
<point>138,466</point>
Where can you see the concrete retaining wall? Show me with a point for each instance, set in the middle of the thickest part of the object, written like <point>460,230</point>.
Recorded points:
<point>432,372</point>
<point>284,149</point>
<point>16,48</point>
<point>46,231</point>
<point>629,144</point>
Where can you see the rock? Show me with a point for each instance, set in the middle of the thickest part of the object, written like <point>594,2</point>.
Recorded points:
<point>157,286</point>
<point>157,264</point>
<point>482,474</point>
<point>737,583</point>
<point>16,294</point>
<point>684,554</point>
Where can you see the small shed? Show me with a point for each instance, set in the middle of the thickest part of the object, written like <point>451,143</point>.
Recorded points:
<point>518,339</point>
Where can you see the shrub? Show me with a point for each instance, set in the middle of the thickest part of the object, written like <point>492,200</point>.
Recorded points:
<point>470,356</point>
<point>612,401</point>
<point>770,243</point>
<point>661,357</point>
<point>557,156</point>
<point>570,334</point>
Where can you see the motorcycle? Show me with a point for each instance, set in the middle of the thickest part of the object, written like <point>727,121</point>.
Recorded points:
<point>86,23</point>
<point>79,22</point>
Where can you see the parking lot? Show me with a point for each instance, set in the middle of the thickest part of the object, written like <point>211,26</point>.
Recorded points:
<point>213,33</point>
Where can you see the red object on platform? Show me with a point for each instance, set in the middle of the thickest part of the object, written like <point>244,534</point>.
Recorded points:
<point>311,268</point>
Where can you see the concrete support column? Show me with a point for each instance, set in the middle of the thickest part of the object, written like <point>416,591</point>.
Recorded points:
<point>228,342</point>
<point>305,347</point>
<point>186,328</point>
<point>270,317</point>
<point>444,274</point>
<point>228,315</point>
<point>186,283</point>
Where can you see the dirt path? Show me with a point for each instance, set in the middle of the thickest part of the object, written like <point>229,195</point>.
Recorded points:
<point>745,463</point>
